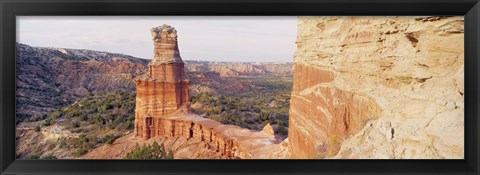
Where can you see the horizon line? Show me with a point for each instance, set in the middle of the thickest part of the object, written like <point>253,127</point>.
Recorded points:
<point>185,59</point>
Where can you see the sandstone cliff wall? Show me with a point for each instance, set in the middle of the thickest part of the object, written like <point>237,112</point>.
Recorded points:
<point>378,87</point>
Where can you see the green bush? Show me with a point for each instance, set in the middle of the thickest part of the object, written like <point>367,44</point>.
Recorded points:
<point>72,112</point>
<point>37,128</point>
<point>104,107</point>
<point>48,122</point>
<point>62,142</point>
<point>49,157</point>
<point>33,157</point>
<point>79,152</point>
<point>109,139</point>
<point>282,130</point>
<point>83,117</point>
<point>75,124</point>
<point>153,151</point>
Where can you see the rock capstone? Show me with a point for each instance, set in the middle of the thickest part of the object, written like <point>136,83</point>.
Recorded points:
<point>164,88</point>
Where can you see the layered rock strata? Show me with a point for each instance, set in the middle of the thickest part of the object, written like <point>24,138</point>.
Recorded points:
<point>161,114</point>
<point>164,89</point>
<point>378,87</point>
<point>193,137</point>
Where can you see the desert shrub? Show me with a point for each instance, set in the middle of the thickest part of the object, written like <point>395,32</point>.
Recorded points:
<point>73,112</point>
<point>75,124</point>
<point>104,107</point>
<point>109,139</point>
<point>153,151</point>
<point>97,120</point>
<point>282,130</point>
<point>20,117</point>
<point>49,157</point>
<point>62,142</point>
<point>83,117</point>
<point>116,122</point>
<point>35,118</point>
<point>37,128</point>
<point>79,152</point>
<point>33,157</point>
<point>83,103</point>
<point>128,125</point>
<point>55,114</point>
<point>48,122</point>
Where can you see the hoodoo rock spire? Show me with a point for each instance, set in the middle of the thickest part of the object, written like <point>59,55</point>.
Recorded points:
<point>165,45</point>
<point>164,88</point>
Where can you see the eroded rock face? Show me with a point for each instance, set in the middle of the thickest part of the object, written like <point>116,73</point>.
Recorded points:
<point>193,137</point>
<point>48,78</point>
<point>322,115</point>
<point>161,114</point>
<point>228,69</point>
<point>378,87</point>
<point>164,89</point>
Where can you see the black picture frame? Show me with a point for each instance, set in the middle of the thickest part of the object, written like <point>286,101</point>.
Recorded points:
<point>9,9</point>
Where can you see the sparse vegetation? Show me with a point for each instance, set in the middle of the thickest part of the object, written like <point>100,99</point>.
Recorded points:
<point>268,103</point>
<point>96,119</point>
<point>32,157</point>
<point>153,151</point>
<point>49,157</point>
<point>37,128</point>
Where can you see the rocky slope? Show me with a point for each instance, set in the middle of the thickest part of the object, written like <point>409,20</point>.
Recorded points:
<point>48,78</point>
<point>378,87</point>
<point>51,77</point>
<point>94,112</point>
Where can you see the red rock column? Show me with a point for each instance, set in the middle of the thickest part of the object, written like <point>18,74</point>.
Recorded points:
<point>164,89</point>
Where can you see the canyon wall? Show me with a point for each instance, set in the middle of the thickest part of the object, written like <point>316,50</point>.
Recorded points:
<point>228,69</point>
<point>378,87</point>
<point>48,78</point>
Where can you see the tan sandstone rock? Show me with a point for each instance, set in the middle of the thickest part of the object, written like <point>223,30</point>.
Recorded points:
<point>378,87</point>
<point>267,129</point>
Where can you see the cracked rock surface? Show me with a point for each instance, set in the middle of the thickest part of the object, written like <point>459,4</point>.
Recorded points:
<point>378,87</point>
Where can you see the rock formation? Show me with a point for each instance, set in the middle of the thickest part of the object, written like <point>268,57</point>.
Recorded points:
<point>161,114</point>
<point>268,129</point>
<point>378,87</point>
<point>164,89</point>
<point>229,69</point>
<point>192,137</point>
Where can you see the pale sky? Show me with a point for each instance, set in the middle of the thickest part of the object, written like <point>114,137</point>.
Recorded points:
<point>226,38</point>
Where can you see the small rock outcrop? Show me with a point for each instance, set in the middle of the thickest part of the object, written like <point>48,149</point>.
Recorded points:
<point>267,129</point>
<point>378,87</point>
